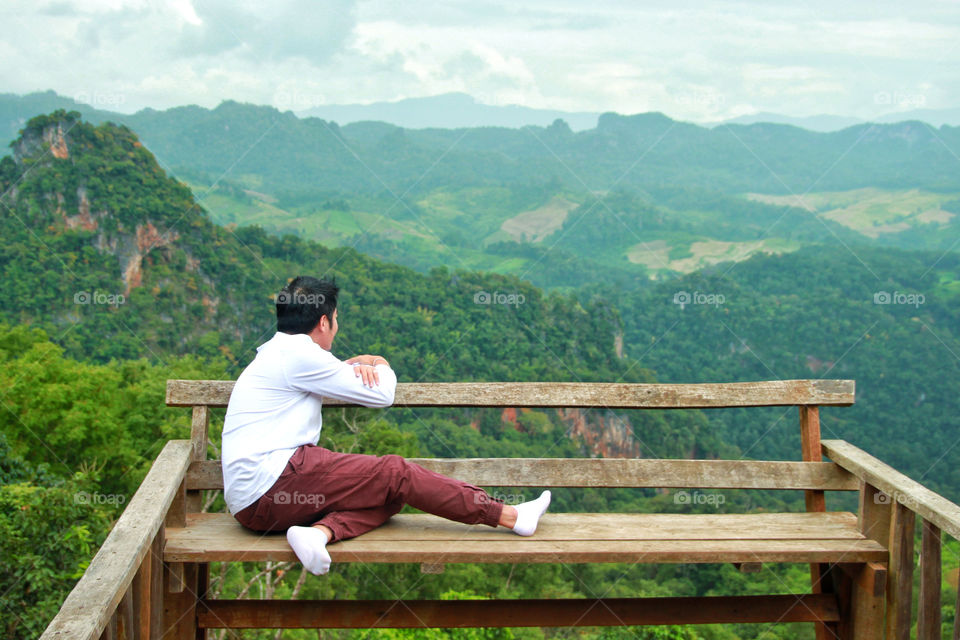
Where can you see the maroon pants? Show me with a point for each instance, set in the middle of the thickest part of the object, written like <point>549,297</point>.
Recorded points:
<point>353,493</point>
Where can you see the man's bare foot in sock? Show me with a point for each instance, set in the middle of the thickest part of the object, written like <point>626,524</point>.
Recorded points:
<point>523,518</point>
<point>310,545</point>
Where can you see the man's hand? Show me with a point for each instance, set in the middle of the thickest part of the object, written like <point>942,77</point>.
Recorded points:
<point>368,373</point>
<point>368,360</point>
<point>365,368</point>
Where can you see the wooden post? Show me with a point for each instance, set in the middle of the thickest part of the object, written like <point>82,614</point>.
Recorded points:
<point>180,581</point>
<point>900,575</point>
<point>180,608</point>
<point>199,427</point>
<point>862,604</point>
<point>956,621</point>
<point>928,616</point>
<point>816,501</point>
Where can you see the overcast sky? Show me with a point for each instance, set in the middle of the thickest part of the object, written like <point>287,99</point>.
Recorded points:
<point>691,60</point>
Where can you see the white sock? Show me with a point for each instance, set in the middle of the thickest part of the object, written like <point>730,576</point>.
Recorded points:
<point>310,545</point>
<point>528,514</point>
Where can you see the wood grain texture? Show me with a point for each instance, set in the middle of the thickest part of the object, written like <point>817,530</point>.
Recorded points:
<point>900,575</point>
<point>365,614</point>
<point>216,393</point>
<point>928,614</point>
<point>648,538</point>
<point>94,599</point>
<point>610,472</point>
<point>897,487</point>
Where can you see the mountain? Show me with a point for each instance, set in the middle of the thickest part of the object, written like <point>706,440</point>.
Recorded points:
<point>821,123</point>
<point>448,111</point>
<point>655,196</point>
<point>887,318</point>
<point>934,117</point>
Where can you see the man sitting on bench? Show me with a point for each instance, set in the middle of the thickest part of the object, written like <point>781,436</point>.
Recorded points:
<point>275,477</point>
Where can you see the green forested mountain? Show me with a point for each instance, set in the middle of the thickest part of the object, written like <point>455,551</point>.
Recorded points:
<point>888,319</point>
<point>635,197</point>
<point>642,151</point>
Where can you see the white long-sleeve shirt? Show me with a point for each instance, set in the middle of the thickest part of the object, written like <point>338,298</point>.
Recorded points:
<point>275,408</point>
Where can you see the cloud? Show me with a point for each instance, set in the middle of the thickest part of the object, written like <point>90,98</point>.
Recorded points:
<point>698,61</point>
<point>271,31</point>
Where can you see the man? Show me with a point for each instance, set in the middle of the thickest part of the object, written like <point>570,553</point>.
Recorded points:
<point>276,478</point>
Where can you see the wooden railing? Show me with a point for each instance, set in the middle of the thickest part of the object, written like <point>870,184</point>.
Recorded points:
<point>122,592</point>
<point>889,505</point>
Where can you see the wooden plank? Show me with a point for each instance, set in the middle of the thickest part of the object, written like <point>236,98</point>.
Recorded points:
<point>867,602</point>
<point>928,614</point>
<point>110,630</point>
<point>156,584</point>
<point>651,538</point>
<point>900,576</point>
<point>95,597</point>
<point>176,579</point>
<point>199,424</point>
<point>205,529</point>
<point>610,472</point>
<point>634,551</point>
<point>180,608</point>
<point>365,614</point>
<point>125,626</point>
<point>141,597</point>
<point>873,515</point>
<point>216,393</point>
<point>815,501</point>
<point>897,487</point>
<point>956,620</point>
<point>176,515</point>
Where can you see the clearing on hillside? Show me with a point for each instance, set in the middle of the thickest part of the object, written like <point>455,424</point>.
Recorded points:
<point>537,224</point>
<point>870,211</point>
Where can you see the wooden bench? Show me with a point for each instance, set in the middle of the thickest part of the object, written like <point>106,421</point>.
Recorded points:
<point>825,540</point>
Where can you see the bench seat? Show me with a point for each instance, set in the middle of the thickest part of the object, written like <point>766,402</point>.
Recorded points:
<point>561,537</point>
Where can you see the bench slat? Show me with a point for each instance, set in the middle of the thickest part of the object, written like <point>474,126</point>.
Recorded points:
<point>216,393</point>
<point>648,538</point>
<point>611,472</point>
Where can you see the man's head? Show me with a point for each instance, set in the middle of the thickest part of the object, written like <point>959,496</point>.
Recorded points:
<point>308,305</point>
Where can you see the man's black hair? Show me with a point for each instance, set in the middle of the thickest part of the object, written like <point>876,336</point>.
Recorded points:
<point>302,303</point>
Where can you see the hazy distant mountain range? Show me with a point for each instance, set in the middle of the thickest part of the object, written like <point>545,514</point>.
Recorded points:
<point>460,110</point>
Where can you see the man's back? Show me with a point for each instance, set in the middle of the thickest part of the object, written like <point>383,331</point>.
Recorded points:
<point>276,406</point>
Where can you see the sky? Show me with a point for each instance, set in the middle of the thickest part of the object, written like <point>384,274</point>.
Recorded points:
<point>698,61</point>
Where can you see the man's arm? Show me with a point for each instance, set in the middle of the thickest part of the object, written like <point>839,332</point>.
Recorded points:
<point>350,380</point>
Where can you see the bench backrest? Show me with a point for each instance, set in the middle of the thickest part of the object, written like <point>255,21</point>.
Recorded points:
<point>812,474</point>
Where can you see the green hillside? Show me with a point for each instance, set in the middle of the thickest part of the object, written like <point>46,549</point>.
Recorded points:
<point>635,198</point>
